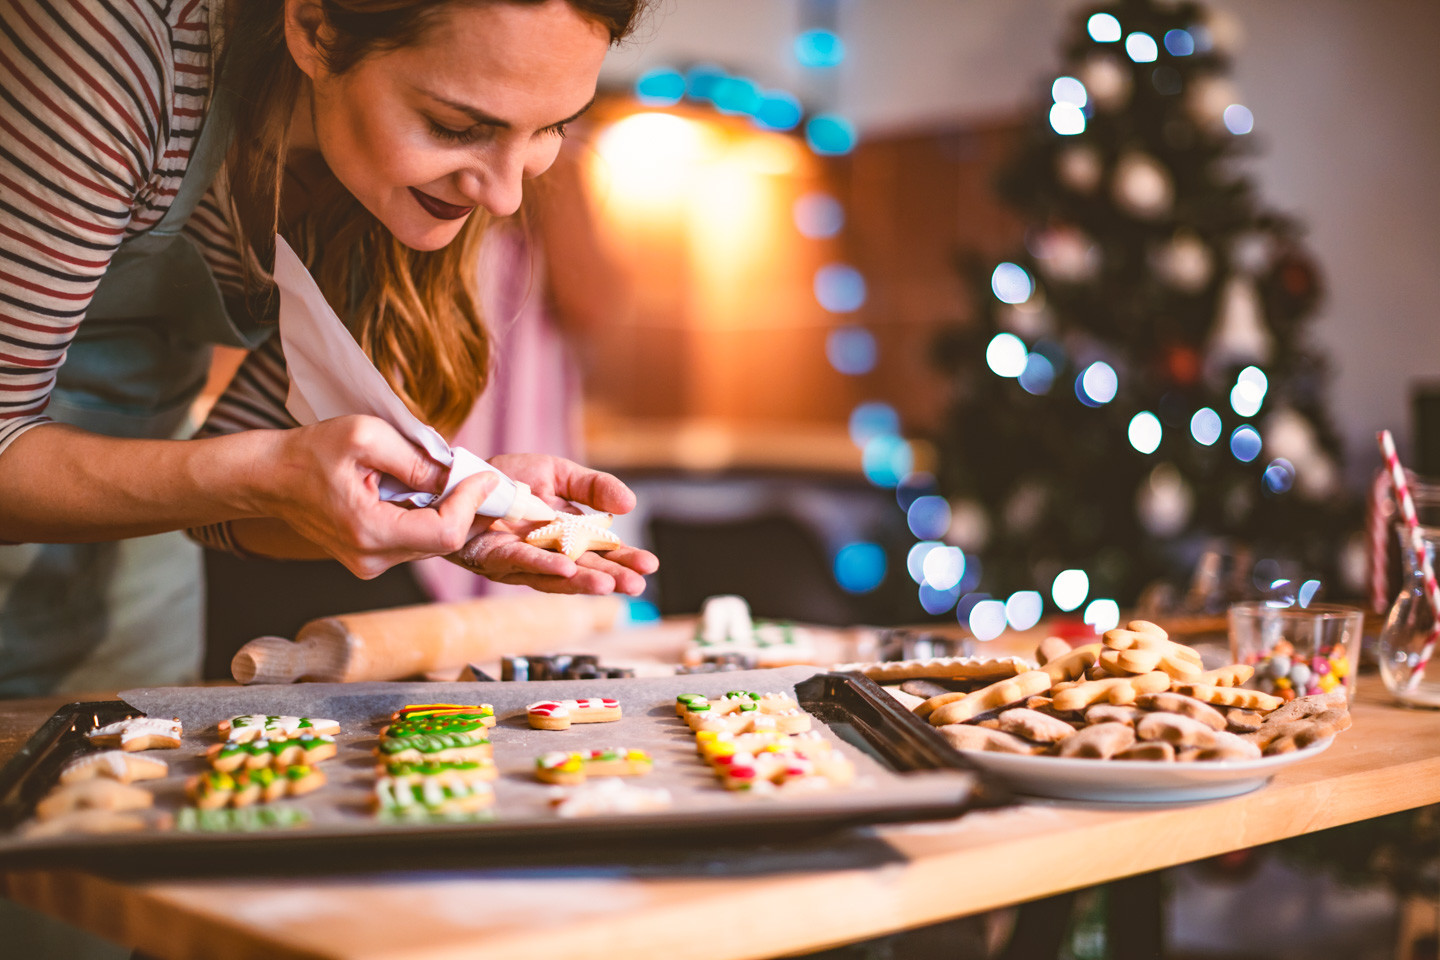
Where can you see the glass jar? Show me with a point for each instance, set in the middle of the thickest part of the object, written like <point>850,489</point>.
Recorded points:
<point>1297,651</point>
<point>1403,641</point>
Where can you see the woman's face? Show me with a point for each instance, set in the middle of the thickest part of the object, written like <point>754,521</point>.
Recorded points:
<point>424,134</point>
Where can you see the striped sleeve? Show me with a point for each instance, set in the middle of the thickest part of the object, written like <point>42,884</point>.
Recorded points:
<point>95,134</point>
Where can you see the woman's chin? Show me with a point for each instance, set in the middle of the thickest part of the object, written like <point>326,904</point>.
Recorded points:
<point>426,237</point>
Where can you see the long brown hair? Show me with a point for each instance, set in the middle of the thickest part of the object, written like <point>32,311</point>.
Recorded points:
<point>417,313</point>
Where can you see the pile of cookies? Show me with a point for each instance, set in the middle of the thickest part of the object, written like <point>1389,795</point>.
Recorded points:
<point>97,792</point>
<point>263,758</point>
<point>435,760</point>
<point>1136,695</point>
<point>761,741</point>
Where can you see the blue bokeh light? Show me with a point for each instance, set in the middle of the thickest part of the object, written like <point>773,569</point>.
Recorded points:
<point>1097,384</point>
<point>819,49</point>
<point>778,110</point>
<point>818,216</point>
<point>839,288</point>
<point>1308,589</point>
<point>860,567</point>
<point>886,460</point>
<point>1238,119</point>
<point>661,87</point>
<point>701,80</point>
<point>736,96</point>
<point>915,559</point>
<point>1038,375</point>
<point>1279,476</point>
<point>914,485</point>
<point>830,135</point>
<point>936,601</point>
<point>929,517</point>
<point>1179,43</point>
<point>873,419</point>
<point>851,350</point>
<point>641,611</point>
<point>1245,443</point>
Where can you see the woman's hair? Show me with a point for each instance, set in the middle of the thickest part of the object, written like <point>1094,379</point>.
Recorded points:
<point>415,313</point>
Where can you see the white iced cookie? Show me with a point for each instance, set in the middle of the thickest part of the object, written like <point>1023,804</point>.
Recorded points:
<point>575,533</point>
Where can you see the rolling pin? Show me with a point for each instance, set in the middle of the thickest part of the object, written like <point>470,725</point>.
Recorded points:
<point>412,641</point>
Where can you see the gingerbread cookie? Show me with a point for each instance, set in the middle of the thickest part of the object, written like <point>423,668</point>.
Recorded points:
<point>100,793</point>
<point>1232,675</point>
<point>1302,707</point>
<point>1156,751</point>
<point>1116,690</point>
<point>139,733</point>
<point>575,533</point>
<point>1069,666</point>
<point>115,764</point>
<point>1049,649</point>
<point>957,708</point>
<point>1033,725</point>
<point>1242,721</point>
<point>1167,702</point>
<point>988,669</point>
<point>1142,647</point>
<point>254,726</point>
<point>1230,696</point>
<point>560,714</point>
<point>965,736</point>
<point>1113,713</point>
<point>1288,735</point>
<point>572,767</point>
<point>1100,742</point>
<point>307,749</point>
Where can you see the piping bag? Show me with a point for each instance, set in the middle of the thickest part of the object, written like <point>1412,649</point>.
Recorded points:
<point>330,376</point>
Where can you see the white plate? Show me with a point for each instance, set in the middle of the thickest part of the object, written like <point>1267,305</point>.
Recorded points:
<point>1135,781</point>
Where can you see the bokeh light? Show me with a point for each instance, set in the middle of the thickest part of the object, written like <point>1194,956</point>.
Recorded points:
<point>860,566</point>
<point>818,216</point>
<point>1069,589</point>
<point>661,87</point>
<point>1179,43</point>
<point>1245,443</point>
<point>1023,609</point>
<point>915,559</point>
<point>1103,28</point>
<point>943,567</point>
<point>1067,119</point>
<point>929,517</point>
<point>736,96</point>
<point>779,110</point>
<point>1238,119</point>
<point>1011,283</point>
<point>641,611</point>
<point>851,350</point>
<point>840,288</point>
<point>913,486</point>
<point>1038,375</point>
<point>1279,476</point>
<point>1097,385</point>
<point>1006,355</point>
<point>701,80</point>
<point>1069,90</point>
<point>830,135</point>
<point>1308,589</point>
<point>872,419</point>
<point>1145,432</point>
<point>818,49</point>
<point>1205,426</point>
<point>934,601</point>
<point>886,459</point>
<point>987,619</point>
<point>1102,615</point>
<point>1141,47</point>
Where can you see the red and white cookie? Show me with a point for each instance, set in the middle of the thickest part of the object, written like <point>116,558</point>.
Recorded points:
<point>559,714</point>
<point>138,733</point>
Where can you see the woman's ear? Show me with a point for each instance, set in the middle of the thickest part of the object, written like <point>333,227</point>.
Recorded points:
<point>305,35</point>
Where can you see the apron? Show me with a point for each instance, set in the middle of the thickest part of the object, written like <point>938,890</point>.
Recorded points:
<point>104,616</point>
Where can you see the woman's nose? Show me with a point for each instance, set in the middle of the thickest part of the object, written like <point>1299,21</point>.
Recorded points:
<point>494,182</point>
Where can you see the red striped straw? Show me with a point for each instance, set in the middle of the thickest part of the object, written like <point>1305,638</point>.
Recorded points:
<point>1417,544</point>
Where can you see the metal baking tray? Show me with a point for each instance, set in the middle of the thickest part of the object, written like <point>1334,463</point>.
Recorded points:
<point>904,772</point>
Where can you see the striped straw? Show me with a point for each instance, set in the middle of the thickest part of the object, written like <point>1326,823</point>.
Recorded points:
<point>1417,544</point>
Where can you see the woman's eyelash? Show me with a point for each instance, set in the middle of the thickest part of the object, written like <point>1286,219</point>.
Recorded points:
<point>558,130</point>
<point>475,133</point>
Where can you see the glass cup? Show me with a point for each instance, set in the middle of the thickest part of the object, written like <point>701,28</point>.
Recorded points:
<point>1406,666</point>
<point>1297,651</point>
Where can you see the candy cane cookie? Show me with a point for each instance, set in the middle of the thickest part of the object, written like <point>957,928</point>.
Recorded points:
<point>574,766</point>
<point>560,714</point>
<point>114,764</point>
<point>307,749</point>
<point>139,733</point>
<point>254,726</point>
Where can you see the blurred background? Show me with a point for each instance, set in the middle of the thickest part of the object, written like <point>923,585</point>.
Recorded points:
<point>950,311</point>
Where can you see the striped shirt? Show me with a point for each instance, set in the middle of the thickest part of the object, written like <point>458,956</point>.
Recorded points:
<point>101,102</point>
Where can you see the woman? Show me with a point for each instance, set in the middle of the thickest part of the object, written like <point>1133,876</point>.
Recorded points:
<point>151,152</point>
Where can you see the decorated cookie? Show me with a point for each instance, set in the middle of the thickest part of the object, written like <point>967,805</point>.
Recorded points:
<point>783,768</point>
<point>99,793</point>
<point>559,714</point>
<point>710,744</point>
<point>574,533</point>
<point>467,770</point>
<point>214,789</point>
<point>571,767</point>
<point>114,764</point>
<point>438,723</point>
<point>139,733</point>
<point>307,749</point>
<point>435,747</point>
<point>607,796</point>
<point>484,712</point>
<point>442,795</point>
<point>253,726</point>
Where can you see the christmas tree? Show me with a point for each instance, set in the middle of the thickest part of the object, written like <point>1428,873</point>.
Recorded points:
<point>1135,390</point>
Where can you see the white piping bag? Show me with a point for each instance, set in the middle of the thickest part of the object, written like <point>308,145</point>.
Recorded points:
<point>330,376</point>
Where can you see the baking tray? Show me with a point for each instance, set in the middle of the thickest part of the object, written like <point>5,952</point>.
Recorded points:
<point>904,772</point>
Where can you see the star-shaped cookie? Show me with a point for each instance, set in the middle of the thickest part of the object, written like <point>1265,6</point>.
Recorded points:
<point>574,533</point>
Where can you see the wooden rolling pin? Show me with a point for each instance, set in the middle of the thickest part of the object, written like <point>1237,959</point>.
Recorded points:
<point>414,641</point>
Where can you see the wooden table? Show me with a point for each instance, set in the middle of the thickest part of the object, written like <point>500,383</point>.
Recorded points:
<point>739,903</point>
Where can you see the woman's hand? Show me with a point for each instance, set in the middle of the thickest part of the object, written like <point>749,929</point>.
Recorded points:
<point>500,552</point>
<point>324,484</point>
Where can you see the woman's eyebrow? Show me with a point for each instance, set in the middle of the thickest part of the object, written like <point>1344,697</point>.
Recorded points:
<point>486,119</point>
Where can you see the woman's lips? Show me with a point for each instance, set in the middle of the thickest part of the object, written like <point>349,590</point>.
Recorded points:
<point>439,208</point>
